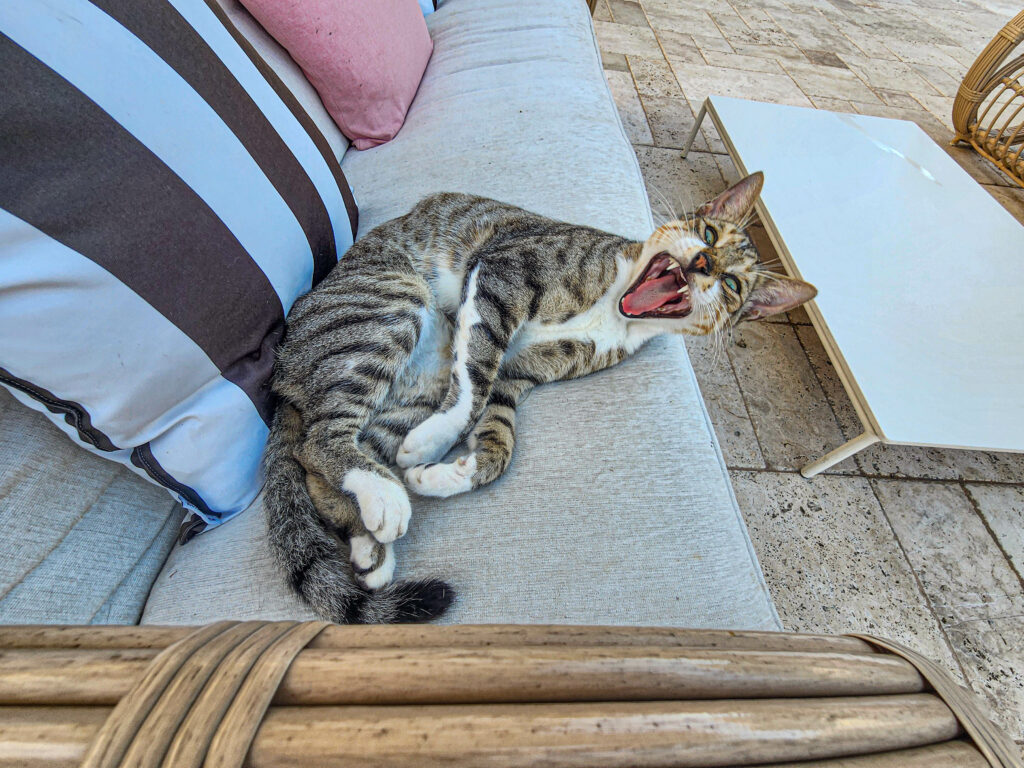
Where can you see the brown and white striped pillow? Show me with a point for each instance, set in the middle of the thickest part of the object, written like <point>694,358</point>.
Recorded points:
<point>164,200</point>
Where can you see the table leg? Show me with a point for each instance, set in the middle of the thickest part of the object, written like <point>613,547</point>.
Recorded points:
<point>844,451</point>
<point>696,127</point>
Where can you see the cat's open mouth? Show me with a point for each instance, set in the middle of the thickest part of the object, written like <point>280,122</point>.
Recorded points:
<point>661,291</point>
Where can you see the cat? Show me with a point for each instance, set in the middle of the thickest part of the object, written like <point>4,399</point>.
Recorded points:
<point>431,330</point>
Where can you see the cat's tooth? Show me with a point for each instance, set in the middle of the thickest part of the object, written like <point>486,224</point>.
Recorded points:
<point>674,266</point>
<point>684,289</point>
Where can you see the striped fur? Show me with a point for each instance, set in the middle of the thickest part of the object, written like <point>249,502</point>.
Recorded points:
<point>430,331</point>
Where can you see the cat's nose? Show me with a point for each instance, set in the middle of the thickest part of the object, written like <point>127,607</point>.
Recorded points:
<point>702,263</point>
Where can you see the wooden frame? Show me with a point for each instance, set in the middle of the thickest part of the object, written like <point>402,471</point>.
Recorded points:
<point>293,694</point>
<point>988,111</point>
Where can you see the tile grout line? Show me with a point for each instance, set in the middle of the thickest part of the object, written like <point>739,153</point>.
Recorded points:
<point>920,586</point>
<point>718,26</point>
<point>675,75</point>
<point>824,395</point>
<point>901,478</point>
<point>743,395</point>
<point>984,521</point>
<point>824,392</point>
<point>746,406</point>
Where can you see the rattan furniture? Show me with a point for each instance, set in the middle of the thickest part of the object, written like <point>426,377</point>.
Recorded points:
<point>917,270</point>
<point>988,111</point>
<point>292,694</point>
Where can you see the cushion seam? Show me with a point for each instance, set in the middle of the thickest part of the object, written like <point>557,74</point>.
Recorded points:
<point>618,121</point>
<point>57,544</point>
<point>142,555</point>
<point>751,553</point>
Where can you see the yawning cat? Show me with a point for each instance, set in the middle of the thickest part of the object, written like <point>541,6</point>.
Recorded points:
<point>431,330</point>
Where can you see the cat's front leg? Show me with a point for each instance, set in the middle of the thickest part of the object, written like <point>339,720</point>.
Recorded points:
<point>491,312</point>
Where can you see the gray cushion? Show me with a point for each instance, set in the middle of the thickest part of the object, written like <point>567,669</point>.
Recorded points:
<point>606,516</point>
<point>83,537</point>
<point>617,506</point>
<point>514,106</point>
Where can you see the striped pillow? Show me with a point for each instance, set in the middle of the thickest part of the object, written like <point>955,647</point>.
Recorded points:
<point>163,202</point>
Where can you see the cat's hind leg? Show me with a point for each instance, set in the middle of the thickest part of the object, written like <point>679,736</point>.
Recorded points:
<point>490,448</point>
<point>490,315</point>
<point>493,437</point>
<point>373,563</point>
<point>337,364</point>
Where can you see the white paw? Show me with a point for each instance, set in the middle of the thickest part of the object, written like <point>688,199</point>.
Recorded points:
<point>383,503</point>
<point>362,561</point>
<point>443,479</point>
<point>428,442</point>
<point>361,552</point>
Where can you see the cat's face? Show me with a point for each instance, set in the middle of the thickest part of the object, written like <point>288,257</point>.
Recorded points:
<point>701,274</point>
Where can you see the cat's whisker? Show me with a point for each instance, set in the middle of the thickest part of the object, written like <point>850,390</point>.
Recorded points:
<point>716,344</point>
<point>682,206</point>
<point>747,218</point>
<point>771,276</point>
<point>690,208</point>
<point>663,200</point>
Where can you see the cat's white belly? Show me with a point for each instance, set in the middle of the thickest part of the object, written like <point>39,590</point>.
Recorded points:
<point>432,354</point>
<point>448,289</point>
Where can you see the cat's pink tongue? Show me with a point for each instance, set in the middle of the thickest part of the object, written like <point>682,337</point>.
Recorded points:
<point>650,294</point>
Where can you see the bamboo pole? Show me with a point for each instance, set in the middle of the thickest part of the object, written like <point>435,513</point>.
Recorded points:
<point>495,674</point>
<point>608,734</point>
<point>47,737</point>
<point>617,735</point>
<point>424,636</point>
<point>948,754</point>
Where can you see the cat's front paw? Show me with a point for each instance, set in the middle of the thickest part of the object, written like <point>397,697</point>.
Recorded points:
<point>383,504</point>
<point>443,479</point>
<point>372,562</point>
<point>428,442</point>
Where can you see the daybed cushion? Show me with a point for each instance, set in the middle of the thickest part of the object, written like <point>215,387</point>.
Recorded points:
<point>586,526</point>
<point>83,538</point>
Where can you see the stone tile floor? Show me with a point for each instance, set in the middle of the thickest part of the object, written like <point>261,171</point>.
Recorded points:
<point>925,546</point>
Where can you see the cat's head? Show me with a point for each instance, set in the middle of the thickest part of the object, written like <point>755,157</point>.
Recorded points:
<point>702,273</point>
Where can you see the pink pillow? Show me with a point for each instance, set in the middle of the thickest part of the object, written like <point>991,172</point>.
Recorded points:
<point>364,57</point>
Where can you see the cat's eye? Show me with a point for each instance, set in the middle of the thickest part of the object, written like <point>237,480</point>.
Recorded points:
<point>732,284</point>
<point>710,235</point>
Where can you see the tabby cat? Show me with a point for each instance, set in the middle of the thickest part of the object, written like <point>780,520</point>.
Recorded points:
<point>430,330</point>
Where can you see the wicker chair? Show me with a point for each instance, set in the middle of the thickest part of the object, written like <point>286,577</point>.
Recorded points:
<point>285,694</point>
<point>989,108</point>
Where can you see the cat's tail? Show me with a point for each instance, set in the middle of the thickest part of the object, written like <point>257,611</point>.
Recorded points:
<point>314,562</point>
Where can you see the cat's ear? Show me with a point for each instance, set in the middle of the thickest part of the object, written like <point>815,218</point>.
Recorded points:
<point>735,203</point>
<point>776,293</point>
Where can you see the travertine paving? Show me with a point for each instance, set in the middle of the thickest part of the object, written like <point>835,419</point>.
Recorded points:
<point>925,546</point>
